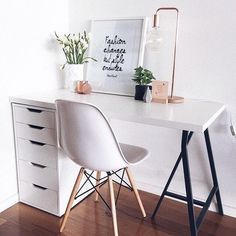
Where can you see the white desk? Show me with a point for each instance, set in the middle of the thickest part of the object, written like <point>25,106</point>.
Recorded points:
<point>191,116</point>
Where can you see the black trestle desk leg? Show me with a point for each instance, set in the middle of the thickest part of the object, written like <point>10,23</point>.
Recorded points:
<point>170,179</point>
<point>213,171</point>
<point>188,187</point>
<point>166,187</point>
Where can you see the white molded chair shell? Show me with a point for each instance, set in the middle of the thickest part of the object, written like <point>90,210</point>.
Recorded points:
<point>86,137</point>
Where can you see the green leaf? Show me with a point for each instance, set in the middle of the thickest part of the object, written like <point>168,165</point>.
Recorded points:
<point>143,76</point>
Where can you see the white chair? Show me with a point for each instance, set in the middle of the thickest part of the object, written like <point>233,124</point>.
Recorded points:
<point>87,138</point>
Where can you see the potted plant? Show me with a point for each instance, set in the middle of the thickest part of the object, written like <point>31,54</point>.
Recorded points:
<point>74,47</point>
<point>143,77</point>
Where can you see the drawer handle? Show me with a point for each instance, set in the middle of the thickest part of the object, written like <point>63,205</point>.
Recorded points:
<point>37,143</point>
<point>38,165</point>
<point>40,187</point>
<point>36,127</point>
<point>34,110</point>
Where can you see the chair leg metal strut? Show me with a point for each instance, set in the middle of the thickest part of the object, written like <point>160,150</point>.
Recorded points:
<point>194,222</point>
<point>99,182</point>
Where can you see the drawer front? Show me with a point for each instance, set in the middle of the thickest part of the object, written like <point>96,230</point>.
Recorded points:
<point>36,133</point>
<point>34,116</point>
<point>41,198</point>
<point>36,152</point>
<point>37,174</point>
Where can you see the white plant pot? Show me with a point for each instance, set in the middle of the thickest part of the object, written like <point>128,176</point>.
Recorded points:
<point>73,73</point>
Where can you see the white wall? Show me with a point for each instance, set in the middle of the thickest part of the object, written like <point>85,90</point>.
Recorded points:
<point>205,70</point>
<point>28,62</point>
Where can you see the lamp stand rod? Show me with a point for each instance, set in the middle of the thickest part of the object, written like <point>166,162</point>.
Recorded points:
<point>171,99</point>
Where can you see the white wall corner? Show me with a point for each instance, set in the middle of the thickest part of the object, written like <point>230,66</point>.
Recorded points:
<point>10,201</point>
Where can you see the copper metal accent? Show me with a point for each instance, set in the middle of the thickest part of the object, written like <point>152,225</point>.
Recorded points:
<point>155,21</point>
<point>175,99</point>
<point>83,87</point>
<point>172,99</point>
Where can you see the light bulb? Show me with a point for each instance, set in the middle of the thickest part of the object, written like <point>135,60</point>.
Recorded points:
<point>154,40</point>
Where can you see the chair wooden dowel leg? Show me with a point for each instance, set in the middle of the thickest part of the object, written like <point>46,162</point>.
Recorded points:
<point>98,176</point>
<point>131,180</point>
<point>72,197</point>
<point>113,206</point>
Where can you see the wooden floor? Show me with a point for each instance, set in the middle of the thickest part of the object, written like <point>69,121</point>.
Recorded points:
<point>93,219</point>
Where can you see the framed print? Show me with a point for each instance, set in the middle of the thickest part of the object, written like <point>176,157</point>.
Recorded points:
<point>118,47</point>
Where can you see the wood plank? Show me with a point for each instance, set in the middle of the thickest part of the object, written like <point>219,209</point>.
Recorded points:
<point>94,219</point>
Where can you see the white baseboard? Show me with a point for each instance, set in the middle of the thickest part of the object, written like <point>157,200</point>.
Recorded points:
<point>155,189</point>
<point>10,201</point>
<point>229,210</point>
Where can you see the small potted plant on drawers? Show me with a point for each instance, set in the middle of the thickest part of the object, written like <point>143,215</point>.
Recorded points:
<point>143,77</point>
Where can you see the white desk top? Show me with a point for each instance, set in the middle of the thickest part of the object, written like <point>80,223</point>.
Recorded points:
<point>192,115</point>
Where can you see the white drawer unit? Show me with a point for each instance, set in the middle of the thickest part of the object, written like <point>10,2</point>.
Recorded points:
<point>35,116</point>
<point>45,175</point>
<point>36,133</point>
<point>37,152</point>
<point>38,196</point>
<point>38,174</point>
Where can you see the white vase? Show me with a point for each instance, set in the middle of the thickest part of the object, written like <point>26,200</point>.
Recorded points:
<point>147,96</point>
<point>73,73</point>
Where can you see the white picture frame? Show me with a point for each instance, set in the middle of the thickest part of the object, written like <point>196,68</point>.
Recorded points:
<point>118,46</point>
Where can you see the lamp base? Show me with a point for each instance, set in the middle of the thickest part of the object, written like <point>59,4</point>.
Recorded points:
<point>175,99</point>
